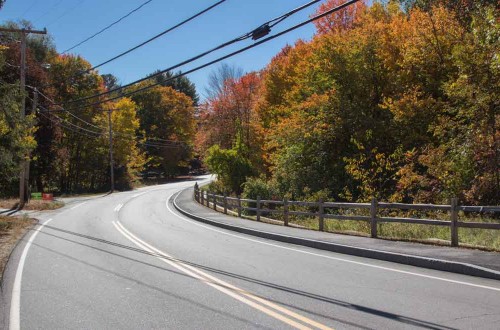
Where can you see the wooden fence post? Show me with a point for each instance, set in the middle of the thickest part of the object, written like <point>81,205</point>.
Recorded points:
<point>202,197</point>
<point>285,211</point>
<point>258,208</point>
<point>215,201</point>
<point>208,198</point>
<point>196,191</point>
<point>454,221</point>
<point>225,202</point>
<point>239,206</point>
<point>373,218</point>
<point>321,213</point>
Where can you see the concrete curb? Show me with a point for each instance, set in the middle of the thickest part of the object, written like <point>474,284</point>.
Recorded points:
<point>412,260</point>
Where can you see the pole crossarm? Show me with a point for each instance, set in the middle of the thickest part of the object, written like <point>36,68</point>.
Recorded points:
<point>24,31</point>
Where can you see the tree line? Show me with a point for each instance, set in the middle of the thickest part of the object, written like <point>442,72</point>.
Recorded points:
<point>67,143</point>
<point>398,100</point>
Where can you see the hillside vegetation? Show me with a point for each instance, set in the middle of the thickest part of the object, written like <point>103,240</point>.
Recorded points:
<point>397,101</point>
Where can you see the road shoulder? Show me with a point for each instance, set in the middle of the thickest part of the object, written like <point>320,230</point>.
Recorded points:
<point>456,260</point>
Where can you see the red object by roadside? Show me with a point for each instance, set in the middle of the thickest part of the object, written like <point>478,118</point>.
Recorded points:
<point>47,197</point>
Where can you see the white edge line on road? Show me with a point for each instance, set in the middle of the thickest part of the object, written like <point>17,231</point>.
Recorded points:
<point>77,205</point>
<point>15,304</point>
<point>322,255</point>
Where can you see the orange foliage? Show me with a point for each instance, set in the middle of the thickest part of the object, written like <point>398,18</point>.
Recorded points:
<point>340,20</point>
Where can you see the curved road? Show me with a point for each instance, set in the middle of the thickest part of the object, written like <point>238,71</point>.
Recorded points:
<point>130,261</point>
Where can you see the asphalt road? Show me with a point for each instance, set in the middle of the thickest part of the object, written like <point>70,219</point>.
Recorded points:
<point>129,261</point>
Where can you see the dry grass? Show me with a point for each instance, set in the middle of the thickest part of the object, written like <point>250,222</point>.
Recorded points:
<point>11,230</point>
<point>32,205</point>
<point>483,239</point>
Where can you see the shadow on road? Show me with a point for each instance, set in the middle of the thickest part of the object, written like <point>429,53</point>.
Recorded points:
<point>337,302</point>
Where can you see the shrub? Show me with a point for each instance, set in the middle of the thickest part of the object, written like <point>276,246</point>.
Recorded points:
<point>259,187</point>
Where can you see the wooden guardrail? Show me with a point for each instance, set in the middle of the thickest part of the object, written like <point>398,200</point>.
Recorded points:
<point>258,206</point>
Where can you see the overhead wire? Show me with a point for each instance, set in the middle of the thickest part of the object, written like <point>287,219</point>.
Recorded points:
<point>70,113</point>
<point>66,12</point>
<point>194,58</point>
<point>161,144</point>
<point>107,27</point>
<point>157,36</point>
<point>47,11</point>
<point>80,130</point>
<point>29,8</point>
<point>99,127</point>
<point>241,50</point>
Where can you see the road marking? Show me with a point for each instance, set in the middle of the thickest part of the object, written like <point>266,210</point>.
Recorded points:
<point>78,205</point>
<point>118,207</point>
<point>324,256</point>
<point>259,299</point>
<point>15,304</point>
<point>220,285</point>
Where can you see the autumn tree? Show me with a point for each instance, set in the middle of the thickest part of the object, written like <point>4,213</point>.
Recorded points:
<point>218,77</point>
<point>79,164</point>
<point>178,82</point>
<point>339,20</point>
<point>229,115</point>
<point>167,121</point>
<point>16,133</point>
<point>127,156</point>
<point>387,103</point>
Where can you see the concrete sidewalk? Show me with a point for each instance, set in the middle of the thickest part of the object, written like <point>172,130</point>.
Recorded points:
<point>457,260</point>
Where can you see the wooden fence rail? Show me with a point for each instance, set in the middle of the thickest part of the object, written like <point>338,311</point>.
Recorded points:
<point>261,207</point>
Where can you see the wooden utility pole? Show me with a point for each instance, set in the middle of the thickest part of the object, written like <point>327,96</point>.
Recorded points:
<point>27,162</point>
<point>111,165</point>
<point>23,175</point>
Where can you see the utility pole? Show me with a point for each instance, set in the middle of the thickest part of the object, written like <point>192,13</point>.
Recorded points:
<point>111,165</point>
<point>27,162</point>
<point>23,175</point>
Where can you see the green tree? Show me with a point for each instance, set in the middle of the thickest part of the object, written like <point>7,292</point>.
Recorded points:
<point>110,81</point>
<point>179,83</point>
<point>167,119</point>
<point>16,134</point>
<point>230,165</point>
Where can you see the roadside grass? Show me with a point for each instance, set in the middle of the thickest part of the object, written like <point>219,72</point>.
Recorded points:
<point>483,239</point>
<point>32,205</point>
<point>11,230</point>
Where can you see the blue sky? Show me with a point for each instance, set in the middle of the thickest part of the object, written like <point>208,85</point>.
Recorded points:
<point>70,21</point>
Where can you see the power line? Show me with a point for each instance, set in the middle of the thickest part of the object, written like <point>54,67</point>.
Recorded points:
<point>47,11</point>
<point>29,8</point>
<point>78,130</point>
<point>95,126</point>
<point>70,113</point>
<point>158,35</point>
<point>192,59</point>
<point>76,126</point>
<point>107,27</point>
<point>347,3</point>
<point>82,131</point>
<point>66,12</point>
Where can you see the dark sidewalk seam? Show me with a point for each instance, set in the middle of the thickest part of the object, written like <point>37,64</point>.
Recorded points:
<point>437,264</point>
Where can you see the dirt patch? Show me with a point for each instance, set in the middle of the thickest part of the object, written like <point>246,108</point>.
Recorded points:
<point>11,231</point>
<point>33,205</point>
